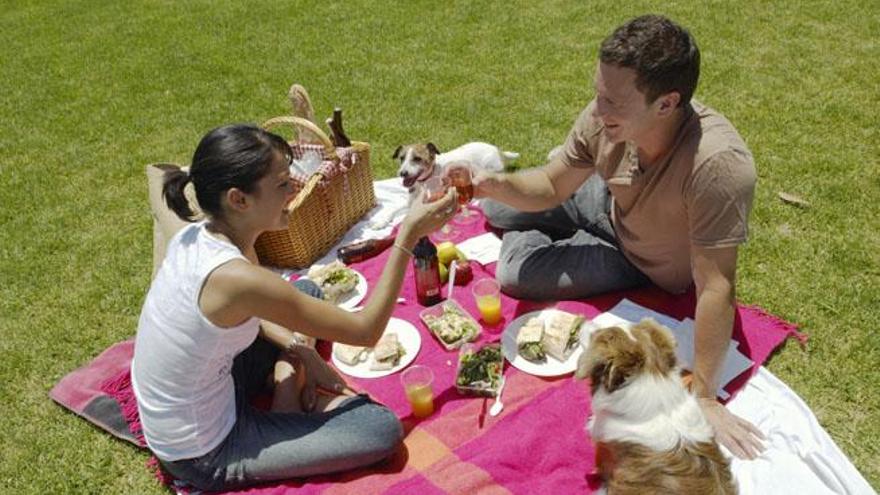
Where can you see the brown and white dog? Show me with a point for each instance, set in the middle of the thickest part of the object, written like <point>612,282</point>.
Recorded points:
<point>421,161</point>
<point>649,432</point>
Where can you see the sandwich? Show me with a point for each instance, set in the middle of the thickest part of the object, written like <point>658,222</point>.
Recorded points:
<point>349,354</point>
<point>387,353</point>
<point>529,340</point>
<point>562,334</point>
<point>335,279</point>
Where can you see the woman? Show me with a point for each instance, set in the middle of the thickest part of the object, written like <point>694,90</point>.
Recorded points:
<point>197,357</point>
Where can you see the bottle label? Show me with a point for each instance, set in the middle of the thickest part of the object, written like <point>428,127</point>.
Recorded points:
<point>427,275</point>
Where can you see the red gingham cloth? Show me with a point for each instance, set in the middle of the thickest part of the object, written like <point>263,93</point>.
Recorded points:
<point>329,167</point>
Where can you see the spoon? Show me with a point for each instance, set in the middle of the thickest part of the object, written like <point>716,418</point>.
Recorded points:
<point>497,406</point>
<point>452,267</point>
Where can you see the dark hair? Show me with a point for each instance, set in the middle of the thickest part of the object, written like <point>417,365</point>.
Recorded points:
<point>663,54</point>
<point>235,155</point>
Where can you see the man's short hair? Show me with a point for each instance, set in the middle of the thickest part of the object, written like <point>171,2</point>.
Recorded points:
<point>663,54</point>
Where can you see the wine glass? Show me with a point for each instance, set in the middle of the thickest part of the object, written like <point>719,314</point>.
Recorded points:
<point>436,188</point>
<point>460,176</point>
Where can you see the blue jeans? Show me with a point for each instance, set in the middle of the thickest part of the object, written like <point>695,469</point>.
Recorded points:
<point>566,252</point>
<point>267,446</point>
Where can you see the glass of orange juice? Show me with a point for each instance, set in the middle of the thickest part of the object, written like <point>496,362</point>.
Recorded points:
<point>487,293</point>
<point>416,382</point>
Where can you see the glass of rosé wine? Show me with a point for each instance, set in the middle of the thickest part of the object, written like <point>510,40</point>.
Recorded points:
<point>436,187</point>
<point>460,177</point>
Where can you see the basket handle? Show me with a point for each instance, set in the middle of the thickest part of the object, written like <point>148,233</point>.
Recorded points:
<point>297,122</point>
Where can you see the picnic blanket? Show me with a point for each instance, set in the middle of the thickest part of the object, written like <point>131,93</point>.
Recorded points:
<point>538,443</point>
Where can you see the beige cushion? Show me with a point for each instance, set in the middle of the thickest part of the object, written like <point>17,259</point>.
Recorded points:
<point>166,223</point>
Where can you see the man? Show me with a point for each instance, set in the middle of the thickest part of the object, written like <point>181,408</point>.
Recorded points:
<point>681,182</point>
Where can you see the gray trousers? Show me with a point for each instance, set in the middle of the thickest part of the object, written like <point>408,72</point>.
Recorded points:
<point>567,252</point>
<point>267,446</point>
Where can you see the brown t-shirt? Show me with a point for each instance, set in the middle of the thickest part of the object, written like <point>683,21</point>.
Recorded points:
<point>699,193</point>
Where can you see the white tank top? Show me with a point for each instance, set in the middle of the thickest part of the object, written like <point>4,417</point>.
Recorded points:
<point>181,371</point>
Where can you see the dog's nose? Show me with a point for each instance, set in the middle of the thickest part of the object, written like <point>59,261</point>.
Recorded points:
<point>402,173</point>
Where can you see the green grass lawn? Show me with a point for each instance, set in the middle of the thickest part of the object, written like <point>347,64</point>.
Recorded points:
<point>93,91</point>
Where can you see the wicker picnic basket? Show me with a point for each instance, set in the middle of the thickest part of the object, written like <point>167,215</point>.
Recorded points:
<point>330,201</point>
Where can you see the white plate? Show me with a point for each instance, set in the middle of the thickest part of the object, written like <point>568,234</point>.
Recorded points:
<point>354,296</point>
<point>410,340</point>
<point>551,366</point>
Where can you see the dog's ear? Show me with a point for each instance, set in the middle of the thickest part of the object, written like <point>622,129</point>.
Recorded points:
<point>610,359</point>
<point>659,343</point>
<point>433,149</point>
<point>592,364</point>
<point>616,373</point>
<point>616,358</point>
<point>396,153</point>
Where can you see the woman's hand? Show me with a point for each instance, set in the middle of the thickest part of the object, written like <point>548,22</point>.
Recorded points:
<point>425,217</point>
<point>739,436</point>
<point>318,376</point>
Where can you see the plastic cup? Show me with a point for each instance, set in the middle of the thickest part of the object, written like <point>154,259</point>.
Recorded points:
<point>416,381</point>
<point>487,294</point>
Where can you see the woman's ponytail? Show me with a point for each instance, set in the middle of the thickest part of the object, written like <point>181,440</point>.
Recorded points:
<point>173,192</point>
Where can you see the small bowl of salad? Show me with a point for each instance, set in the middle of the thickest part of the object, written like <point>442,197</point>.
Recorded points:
<point>451,324</point>
<point>480,369</point>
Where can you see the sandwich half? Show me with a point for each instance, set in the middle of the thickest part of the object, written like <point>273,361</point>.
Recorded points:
<point>349,354</point>
<point>335,280</point>
<point>529,340</point>
<point>387,352</point>
<point>562,334</point>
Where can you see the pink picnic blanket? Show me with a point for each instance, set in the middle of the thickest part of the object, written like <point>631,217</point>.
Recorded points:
<point>537,444</point>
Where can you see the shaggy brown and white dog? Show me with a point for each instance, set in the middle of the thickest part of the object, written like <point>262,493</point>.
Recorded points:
<point>650,434</point>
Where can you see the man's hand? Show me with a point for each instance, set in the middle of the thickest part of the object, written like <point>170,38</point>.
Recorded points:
<point>739,436</point>
<point>484,182</point>
<point>318,375</point>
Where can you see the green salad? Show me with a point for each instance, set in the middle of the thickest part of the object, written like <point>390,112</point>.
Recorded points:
<point>481,369</point>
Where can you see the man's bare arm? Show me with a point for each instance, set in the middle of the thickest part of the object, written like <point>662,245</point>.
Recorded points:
<point>715,276</point>
<point>535,189</point>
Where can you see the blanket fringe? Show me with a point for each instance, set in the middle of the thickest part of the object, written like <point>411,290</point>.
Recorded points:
<point>119,388</point>
<point>790,328</point>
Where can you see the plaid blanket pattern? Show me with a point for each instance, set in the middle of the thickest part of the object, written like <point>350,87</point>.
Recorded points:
<point>537,444</point>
